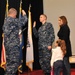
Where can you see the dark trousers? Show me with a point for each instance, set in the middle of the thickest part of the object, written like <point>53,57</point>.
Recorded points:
<point>66,68</point>
<point>58,66</point>
<point>2,71</point>
<point>44,60</point>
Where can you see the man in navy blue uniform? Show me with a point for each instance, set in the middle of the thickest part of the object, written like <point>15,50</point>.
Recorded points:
<point>46,37</point>
<point>12,40</point>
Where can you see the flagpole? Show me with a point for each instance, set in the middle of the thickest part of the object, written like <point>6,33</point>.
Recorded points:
<point>20,10</point>
<point>6,12</point>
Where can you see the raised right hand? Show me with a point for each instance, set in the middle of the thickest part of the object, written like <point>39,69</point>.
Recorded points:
<point>23,12</point>
<point>34,24</point>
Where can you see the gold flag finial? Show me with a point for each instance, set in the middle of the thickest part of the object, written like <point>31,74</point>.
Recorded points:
<point>7,4</point>
<point>20,6</point>
<point>29,7</point>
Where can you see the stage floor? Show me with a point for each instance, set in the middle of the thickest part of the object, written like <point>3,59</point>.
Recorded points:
<point>40,72</point>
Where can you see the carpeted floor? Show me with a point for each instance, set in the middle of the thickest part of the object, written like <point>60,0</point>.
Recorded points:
<point>40,72</point>
<point>35,72</point>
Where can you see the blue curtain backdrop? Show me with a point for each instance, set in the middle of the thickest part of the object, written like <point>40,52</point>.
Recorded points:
<point>36,10</point>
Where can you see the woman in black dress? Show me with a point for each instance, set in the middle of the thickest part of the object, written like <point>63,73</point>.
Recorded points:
<point>64,34</point>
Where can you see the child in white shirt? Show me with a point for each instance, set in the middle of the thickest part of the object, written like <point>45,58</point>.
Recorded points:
<point>57,56</point>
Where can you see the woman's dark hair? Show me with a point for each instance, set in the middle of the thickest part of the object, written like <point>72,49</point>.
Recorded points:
<point>64,20</point>
<point>61,43</point>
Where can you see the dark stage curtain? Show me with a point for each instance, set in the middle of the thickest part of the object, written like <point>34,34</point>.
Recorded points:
<point>36,10</point>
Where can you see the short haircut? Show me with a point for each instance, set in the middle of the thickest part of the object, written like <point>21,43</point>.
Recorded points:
<point>12,10</point>
<point>44,16</point>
